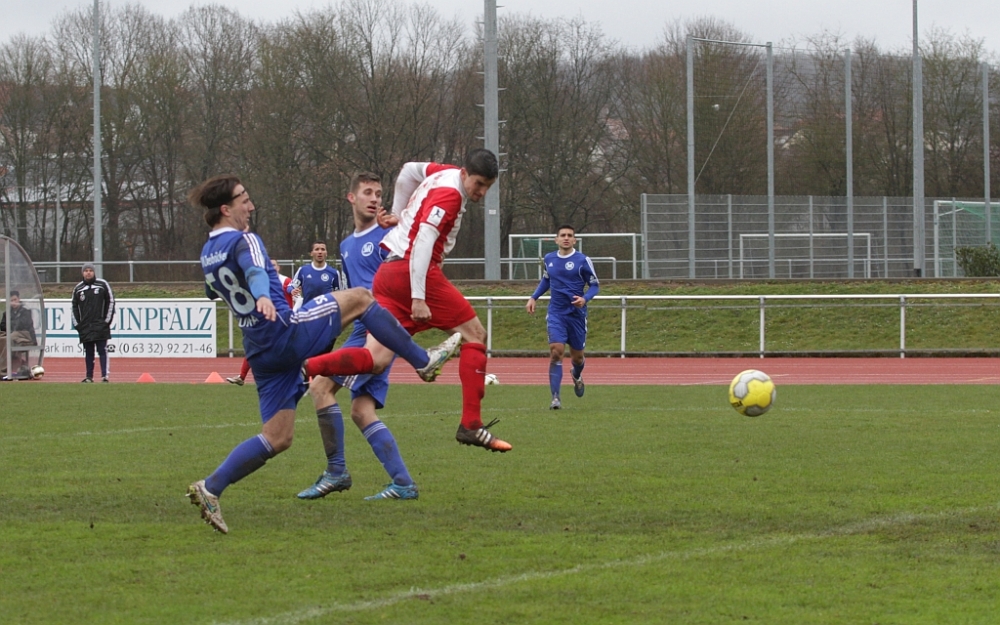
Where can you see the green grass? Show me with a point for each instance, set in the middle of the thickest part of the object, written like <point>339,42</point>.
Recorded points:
<point>874,504</point>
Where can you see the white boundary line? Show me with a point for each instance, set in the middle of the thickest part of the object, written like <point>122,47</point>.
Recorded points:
<point>307,614</point>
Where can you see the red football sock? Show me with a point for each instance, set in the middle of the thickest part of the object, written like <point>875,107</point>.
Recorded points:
<point>344,361</point>
<point>472,373</point>
<point>244,369</point>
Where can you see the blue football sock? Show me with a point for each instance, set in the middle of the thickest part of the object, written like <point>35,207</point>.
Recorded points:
<point>331,430</point>
<point>384,446</point>
<point>555,376</point>
<point>387,331</point>
<point>243,460</point>
<point>578,369</point>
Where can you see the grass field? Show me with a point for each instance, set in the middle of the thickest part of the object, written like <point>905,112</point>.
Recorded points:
<point>869,504</point>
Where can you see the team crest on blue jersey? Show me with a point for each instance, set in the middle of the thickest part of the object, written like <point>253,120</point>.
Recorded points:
<point>324,277</point>
<point>368,248</point>
<point>569,265</point>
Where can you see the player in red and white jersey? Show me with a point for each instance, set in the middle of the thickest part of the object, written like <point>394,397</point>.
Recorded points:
<point>412,287</point>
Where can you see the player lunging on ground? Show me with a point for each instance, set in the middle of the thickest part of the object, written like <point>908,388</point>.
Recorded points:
<point>360,256</point>
<point>429,201</point>
<point>567,273</point>
<point>277,340</point>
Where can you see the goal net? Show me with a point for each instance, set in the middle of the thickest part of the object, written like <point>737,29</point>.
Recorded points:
<point>23,307</point>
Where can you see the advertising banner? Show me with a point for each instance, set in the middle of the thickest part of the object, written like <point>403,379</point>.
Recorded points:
<point>142,328</point>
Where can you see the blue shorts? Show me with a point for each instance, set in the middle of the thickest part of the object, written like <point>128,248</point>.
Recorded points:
<point>304,333</point>
<point>570,329</point>
<point>374,385</point>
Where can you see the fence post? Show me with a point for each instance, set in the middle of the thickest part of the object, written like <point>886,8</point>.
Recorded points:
<point>229,311</point>
<point>761,326</point>
<point>489,327</point>
<point>623,327</point>
<point>902,326</point>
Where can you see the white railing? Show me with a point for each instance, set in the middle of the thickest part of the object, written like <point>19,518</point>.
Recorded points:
<point>70,271</point>
<point>761,301</point>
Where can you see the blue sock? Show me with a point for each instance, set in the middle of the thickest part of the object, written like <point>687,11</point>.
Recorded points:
<point>384,446</point>
<point>388,332</point>
<point>555,376</point>
<point>331,430</point>
<point>578,369</point>
<point>243,460</point>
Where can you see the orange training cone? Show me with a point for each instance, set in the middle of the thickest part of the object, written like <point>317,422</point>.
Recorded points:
<point>214,378</point>
<point>145,378</point>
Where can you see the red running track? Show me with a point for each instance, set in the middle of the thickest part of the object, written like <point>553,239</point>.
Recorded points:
<point>645,371</point>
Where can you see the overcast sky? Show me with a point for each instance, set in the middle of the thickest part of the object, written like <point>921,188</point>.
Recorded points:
<point>638,23</point>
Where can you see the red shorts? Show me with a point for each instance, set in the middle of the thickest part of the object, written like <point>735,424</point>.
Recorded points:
<point>449,308</point>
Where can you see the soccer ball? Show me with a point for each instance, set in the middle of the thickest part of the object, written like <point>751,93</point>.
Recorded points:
<point>492,380</point>
<point>37,372</point>
<point>752,393</point>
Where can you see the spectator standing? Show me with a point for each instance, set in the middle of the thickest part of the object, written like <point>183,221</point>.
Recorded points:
<point>93,312</point>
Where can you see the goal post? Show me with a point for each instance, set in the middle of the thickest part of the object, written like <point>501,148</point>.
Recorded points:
<point>806,251</point>
<point>958,223</point>
<point>527,250</point>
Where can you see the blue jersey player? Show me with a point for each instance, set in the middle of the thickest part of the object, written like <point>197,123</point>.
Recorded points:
<point>571,277</point>
<point>277,340</point>
<point>316,278</point>
<point>360,255</point>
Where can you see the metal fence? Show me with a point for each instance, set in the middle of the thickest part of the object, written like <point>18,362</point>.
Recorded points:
<point>745,331</point>
<point>807,238</point>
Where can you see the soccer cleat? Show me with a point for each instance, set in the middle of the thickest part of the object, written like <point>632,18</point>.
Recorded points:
<point>105,380</point>
<point>556,404</point>
<point>87,381</point>
<point>326,484</point>
<point>482,438</point>
<point>438,355</point>
<point>395,491</point>
<point>578,386</point>
<point>209,505</point>
<point>236,381</point>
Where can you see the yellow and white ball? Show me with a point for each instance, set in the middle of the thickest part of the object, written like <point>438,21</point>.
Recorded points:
<point>752,393</point>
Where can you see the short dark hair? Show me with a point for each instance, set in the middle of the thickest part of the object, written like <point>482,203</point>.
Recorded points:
<point>482,162</point>
<point>566,227</point>
<point>212,194</point>
<point>315,243</point>
<point>365,176</point>
<point>16,294</point>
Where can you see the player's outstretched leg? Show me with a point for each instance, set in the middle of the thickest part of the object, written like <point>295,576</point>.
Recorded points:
<point>209,505</point>
<point>438,355</point>
<point>578,386</point>
<point>326,484</point>
<point>335,478</point>
<point>395,491</point>
<point>482,437</point>
<point>387,331</point>
<point>472,373</point>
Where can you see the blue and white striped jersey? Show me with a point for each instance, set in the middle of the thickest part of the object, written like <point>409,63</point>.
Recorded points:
<point>225,260</point>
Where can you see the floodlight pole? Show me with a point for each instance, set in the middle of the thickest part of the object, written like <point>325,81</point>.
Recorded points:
<point>491,138</point>
<point>986,151</point>
<point>918,155</point>
<point>690,156</point>
<point>98,217</point>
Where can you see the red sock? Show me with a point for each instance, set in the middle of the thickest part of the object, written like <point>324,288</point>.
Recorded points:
<point>344,361</point>
<point>472,373</point>
<point>244,369</point>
